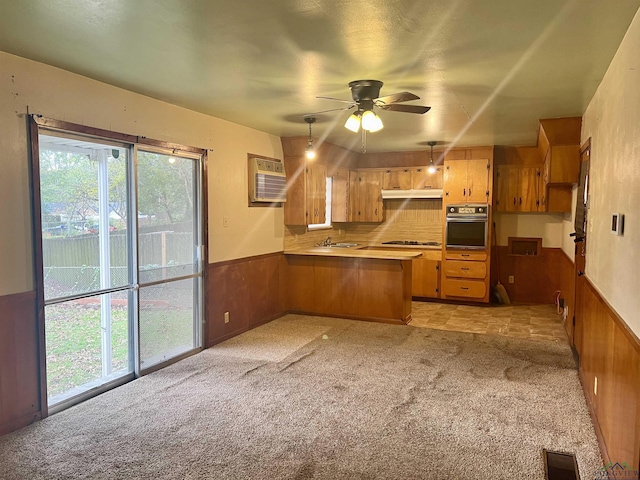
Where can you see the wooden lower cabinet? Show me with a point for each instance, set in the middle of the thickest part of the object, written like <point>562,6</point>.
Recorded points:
<point>465,275</point>
<point>425,278</point>
<point>467,288</point>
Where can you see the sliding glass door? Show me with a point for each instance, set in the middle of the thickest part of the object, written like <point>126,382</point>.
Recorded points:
<point>169,239</point>
<point>121,261</point>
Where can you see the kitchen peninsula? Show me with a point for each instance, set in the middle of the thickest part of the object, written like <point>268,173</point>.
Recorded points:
<point>363,283</point>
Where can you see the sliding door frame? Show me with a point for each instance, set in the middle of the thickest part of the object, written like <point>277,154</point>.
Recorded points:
<point>38,122</point>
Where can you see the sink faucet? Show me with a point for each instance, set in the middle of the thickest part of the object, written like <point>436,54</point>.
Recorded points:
<point>325,243</point>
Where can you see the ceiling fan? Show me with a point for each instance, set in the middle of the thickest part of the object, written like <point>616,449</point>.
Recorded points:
<point>366,96</point>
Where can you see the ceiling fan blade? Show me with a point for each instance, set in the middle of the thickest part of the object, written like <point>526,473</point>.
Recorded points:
<point>337,99</point>
<point>397,98</point>
<point>405,108</point>
<point>326,111</point>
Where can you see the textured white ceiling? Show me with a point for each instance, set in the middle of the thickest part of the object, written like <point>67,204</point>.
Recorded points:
<point>488,68</point>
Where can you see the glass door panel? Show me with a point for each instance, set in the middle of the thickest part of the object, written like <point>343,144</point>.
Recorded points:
<point>170,271</point>
<point>86,263</point>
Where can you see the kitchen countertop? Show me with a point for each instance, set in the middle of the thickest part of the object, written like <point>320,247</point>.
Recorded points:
<point>373,250</point>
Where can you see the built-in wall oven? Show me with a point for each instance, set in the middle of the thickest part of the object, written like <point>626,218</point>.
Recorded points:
<point>467,226</point>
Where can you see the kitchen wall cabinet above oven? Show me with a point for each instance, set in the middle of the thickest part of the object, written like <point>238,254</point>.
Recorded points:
<point>467,181</point>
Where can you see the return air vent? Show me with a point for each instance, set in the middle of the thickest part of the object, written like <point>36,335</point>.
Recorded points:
<point>267,181</point>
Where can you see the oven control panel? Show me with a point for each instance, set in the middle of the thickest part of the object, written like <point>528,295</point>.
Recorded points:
<point>467,210</point>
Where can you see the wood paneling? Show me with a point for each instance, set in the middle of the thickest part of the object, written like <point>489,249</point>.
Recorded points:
<point>567,289</point>
<point>610,353</point>
<point>249,289</point>
<point>536,277</point>
<point>19,362</point>
<point>372,289</point>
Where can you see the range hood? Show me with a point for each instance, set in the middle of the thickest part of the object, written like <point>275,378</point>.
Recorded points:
<point>413,193</point>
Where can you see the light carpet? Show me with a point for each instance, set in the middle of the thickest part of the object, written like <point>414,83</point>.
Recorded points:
<point>333,399</point>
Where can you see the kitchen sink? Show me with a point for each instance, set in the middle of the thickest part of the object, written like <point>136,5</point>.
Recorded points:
<point>343,245</point>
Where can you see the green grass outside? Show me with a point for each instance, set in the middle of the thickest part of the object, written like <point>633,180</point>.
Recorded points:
<point>73,341</point>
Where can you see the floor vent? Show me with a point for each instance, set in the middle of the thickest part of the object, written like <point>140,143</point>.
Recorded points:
<point>560,466</point>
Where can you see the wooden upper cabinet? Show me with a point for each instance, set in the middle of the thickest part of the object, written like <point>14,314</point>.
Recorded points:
<point>306,192</point>
<point>422,179</point>
<point>396,179</point>
<point>467,181</point>
<point>365,196</point>
<point>316,193</point>
<point>518,189</point>
<point>340,197</point>
<point>559,146</point>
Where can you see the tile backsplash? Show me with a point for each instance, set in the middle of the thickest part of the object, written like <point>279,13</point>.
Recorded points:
<point>415,219</point>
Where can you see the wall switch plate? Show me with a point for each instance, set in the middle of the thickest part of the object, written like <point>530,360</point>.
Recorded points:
<point>512,279</point>
<point>226,317</point>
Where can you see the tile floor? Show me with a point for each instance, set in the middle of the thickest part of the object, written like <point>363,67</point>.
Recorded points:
<point>535,322</point>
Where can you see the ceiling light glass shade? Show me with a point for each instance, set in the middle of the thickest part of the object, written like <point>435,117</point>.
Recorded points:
<point>309,152</point>
<point>432,168</point>
<point>353,123</point>
<point>371,122</point>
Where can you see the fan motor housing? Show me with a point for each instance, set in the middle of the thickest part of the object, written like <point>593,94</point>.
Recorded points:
<point>365,89</point>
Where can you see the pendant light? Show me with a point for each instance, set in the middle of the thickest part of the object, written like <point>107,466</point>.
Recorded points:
<point>432,167</point>
<point>309,151</point>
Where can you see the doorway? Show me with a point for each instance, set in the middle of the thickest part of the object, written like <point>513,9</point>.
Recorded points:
<point>121,262</point>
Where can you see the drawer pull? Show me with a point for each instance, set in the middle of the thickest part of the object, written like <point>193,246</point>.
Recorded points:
<point>464,288</point>
<point>465,254</point>
<point>464,268</point>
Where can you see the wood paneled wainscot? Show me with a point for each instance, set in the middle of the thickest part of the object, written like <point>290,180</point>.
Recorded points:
<point>362,288</point>
<point>465,275</point>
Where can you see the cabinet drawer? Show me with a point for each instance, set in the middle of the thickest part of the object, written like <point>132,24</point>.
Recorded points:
<point>460,268</point>
<point>452,287</point>
<point>477,256</point>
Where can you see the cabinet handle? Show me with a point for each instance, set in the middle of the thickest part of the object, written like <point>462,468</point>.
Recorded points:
<point>465,254</point>
<point>469,192</point>
<point>464,192</point>
<point>375,212</point>
<point>514,200</point>
<point>464,288</point>
<point>520,200</point>
<point>464,268</point>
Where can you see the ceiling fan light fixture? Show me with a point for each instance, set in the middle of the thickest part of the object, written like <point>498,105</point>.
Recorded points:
<point>371,122</point>
<point>353,123</point>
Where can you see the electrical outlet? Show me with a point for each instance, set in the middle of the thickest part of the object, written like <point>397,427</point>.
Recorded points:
<point>512,279</point>
<point>595,386</point>
<point>565,312</point>
<point>226,317</point>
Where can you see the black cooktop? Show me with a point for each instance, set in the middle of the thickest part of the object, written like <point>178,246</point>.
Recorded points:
<point>411,242</point>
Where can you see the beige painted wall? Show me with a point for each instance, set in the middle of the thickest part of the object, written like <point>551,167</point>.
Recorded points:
<point>547,226</point>
<point>61,95</point>
<point>612,120</point>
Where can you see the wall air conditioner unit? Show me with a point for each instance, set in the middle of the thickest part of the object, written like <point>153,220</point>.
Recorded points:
<point>267,181</point>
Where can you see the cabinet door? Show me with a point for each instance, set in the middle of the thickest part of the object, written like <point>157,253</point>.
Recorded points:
<point>354,204</point>
<point>507,188</point>
<point>425,278</point>
<point>478,177</point>
<point>421,178</point>
<point>528,197</point>
<point>455,181</point>
<point>316,193</point>
<point>370,196</point>
<point>396,179</point>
